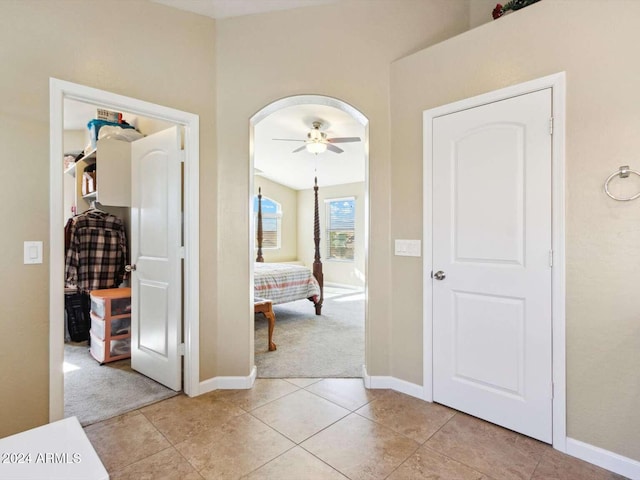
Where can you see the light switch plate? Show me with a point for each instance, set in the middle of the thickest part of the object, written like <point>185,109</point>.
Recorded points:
<point>32,253</point>
<point>407,248</point>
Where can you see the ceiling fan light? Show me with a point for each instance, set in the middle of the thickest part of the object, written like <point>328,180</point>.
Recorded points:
<point>316,147</point>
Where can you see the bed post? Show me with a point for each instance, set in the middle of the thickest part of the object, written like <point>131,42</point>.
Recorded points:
<point>317,264</point>
<point>259,258</point>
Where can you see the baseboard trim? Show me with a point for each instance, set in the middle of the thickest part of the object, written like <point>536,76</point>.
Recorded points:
<point>604,458</point>
<point>229,383</point>
<point>393,383</point>
<point>597,456</point>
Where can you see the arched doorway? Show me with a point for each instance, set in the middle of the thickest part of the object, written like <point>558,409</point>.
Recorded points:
<point>283,169</point>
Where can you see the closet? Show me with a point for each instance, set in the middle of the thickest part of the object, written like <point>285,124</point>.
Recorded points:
<point>98,218</point>
<point>98,185</point>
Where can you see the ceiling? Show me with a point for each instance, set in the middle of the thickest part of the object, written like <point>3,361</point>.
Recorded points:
<point>235,8</point>
<point>274,159</point>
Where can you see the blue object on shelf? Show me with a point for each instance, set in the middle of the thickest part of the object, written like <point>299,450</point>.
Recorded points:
<point>95,125</point>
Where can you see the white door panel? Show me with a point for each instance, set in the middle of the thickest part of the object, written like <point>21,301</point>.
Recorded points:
<point>492,238</point>
<point>156,232</point>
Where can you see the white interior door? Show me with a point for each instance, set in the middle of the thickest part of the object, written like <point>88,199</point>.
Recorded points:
<point>492,262</point>
<point>156,240</point>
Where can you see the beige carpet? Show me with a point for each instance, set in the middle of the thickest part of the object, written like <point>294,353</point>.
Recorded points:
<point>329,345</point>
<point>94,392</point>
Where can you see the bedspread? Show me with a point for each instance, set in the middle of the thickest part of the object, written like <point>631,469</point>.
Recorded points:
<point>283,282</point>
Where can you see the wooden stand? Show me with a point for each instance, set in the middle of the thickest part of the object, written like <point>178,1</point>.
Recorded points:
<point>265,307</point>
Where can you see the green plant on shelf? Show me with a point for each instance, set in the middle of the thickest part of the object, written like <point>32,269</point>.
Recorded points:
<point>500,9</point>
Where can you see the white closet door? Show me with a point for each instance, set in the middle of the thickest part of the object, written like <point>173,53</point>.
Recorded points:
<point>156,231</point>
<point>492,242</point>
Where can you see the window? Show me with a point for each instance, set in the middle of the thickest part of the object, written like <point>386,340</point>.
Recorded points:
<point>271,222</point>
<point>340,228</point>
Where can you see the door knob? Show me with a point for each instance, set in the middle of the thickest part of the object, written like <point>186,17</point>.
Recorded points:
<point>129,268</point>
<point>439,275</point>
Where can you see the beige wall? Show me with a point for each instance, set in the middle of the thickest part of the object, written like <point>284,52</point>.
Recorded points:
<point>346,273</point>
<point>341,50</point>
<point>598,49</point>
<point>145,51</point>
<point>480,11</point>
<point>288,200</point>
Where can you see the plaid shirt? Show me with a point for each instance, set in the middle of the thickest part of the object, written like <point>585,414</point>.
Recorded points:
<point>97,252</point>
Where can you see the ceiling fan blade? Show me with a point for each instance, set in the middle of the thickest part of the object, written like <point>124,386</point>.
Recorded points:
<point>299,149</point>
<point>334,149</point>
<point>288,139</point>
<point>343,139</point>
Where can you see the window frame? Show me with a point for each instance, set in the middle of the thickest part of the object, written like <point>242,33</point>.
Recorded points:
<point>328,229</point>
<point>277,216</point>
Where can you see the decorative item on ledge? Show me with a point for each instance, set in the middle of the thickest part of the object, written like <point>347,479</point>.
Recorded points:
<point>500,10</point>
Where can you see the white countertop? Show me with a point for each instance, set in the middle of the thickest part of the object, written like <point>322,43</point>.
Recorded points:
<point>57,451</point>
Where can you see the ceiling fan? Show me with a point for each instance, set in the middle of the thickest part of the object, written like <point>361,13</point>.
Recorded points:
<point>317,141</point>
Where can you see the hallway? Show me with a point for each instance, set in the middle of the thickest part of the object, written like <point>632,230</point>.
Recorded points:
<point>320,429</point>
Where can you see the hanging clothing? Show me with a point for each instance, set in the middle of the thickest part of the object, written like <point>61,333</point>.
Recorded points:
<point>97,251</point>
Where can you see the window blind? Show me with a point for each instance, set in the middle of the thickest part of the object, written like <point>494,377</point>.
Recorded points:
<point>340,220</point>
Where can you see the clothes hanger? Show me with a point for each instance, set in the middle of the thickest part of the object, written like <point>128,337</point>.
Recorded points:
<point>95,206</point>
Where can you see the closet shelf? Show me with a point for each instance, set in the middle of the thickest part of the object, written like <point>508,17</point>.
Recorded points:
<point>90,158</point>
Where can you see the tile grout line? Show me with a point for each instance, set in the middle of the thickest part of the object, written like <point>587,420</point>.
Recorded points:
<point>448,456</point>
<point>335,403</point>
<point>475,469</point>
<point>533,472</point>
<point>144,458</point>
<point>172,445</point>
<point>326,463</point>
<point>405,460</point>
<point>297,444</point>
<point>274,458</point>
<point>272,400</point>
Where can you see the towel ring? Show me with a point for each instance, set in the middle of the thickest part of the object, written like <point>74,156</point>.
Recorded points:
<point>622,172</point>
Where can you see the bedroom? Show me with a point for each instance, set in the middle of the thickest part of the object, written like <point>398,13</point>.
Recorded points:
<point>330,345</point>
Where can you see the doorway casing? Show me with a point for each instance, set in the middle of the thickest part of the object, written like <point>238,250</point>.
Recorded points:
<point>362,120</point>
<point>59,90</point>
<point>557,84</point>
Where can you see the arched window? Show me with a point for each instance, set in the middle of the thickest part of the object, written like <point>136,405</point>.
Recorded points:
<point>271,222</point>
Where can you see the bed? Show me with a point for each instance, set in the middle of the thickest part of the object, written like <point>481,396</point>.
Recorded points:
<point>285,282</point>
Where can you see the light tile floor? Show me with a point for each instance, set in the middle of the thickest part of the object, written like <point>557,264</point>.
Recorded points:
<point>320,429</point>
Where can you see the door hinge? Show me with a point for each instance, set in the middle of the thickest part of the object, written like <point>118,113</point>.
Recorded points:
<point>181,252</point>
<point>183,156</point>
<point>553,390</point>
<point>182,349</point>
<point>551,126</point>
<point>551,258</point>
